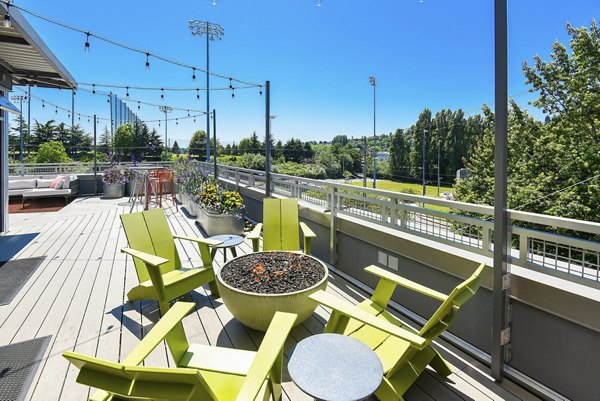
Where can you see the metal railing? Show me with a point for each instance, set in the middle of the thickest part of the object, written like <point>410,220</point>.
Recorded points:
<point>463,225</point>
<point>77,167</point>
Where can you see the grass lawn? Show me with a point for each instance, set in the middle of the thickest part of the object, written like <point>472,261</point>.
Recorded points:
<point>415,189</point>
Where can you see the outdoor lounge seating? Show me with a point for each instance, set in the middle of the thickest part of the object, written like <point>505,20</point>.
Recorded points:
<point>43,186</point>
<point>203,372</point>
<point>157,261</point>
<point>404,353</point>
<point>280,227</point>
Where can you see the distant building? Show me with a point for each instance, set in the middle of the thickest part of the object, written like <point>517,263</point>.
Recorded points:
<point>462,173</point>
<point>383,156</point>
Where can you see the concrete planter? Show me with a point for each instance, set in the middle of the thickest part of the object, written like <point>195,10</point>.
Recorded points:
<point>189,205</point>
<point>217,224</point>
<point>257,310</point>
<point>139,187</point>
<point>113,191</point>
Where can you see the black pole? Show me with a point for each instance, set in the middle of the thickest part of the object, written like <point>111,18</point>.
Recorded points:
<point>21,131</point>
<point>424,187</point>
<point>111,121</point>
<point>214,115</point>
<point>95,161</point>
<point>207,95</point>
<point>500,333</point>
<point>72,120</point>
<point>166,139</point>
<point>28,118</point>
<point>374,141</point>
<point>268,138</point>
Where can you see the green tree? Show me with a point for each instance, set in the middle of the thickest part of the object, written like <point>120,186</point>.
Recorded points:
<point>52,152</point>
<point>44,133</point>
<point>105,142</point>
<point>124,141</point>
<point>293,150</point>
<point>399,152</point>
<point>341,139</point>
<point>197,146</point>
<point>568,85</point>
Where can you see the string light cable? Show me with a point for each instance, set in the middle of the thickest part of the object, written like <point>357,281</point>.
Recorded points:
<point>88,35</point>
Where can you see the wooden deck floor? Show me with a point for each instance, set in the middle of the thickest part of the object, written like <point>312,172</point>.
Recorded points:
<point>77,296</point>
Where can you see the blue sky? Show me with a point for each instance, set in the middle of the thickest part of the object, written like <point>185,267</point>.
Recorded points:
<point>429,53</point>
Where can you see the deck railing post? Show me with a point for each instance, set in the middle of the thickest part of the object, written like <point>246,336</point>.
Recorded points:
<point>332,227</point>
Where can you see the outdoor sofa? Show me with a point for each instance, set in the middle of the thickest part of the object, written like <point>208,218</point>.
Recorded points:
<point>40,186</point>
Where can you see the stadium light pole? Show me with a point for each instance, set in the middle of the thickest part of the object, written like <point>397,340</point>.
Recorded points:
<point>212,32</point>
<point>373,84</point>
<point>166,109</point>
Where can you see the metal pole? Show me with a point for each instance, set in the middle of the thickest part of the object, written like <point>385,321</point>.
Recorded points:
<point>214,116</point>
<point>365,162</point>
<point>21,131</point>
<point>28,120</point>
<point>424,188</point>
<point>501,286</point>
<point>374,141</point>
<point>268,138</point>
<point>439,145</point>
<point>72,119</point>
<point>166,141</point>
<point>207,95</point>
<point>95,160</point>
<point>111,120</point>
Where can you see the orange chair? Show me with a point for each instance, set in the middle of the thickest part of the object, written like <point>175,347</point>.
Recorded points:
<point>166,177</point>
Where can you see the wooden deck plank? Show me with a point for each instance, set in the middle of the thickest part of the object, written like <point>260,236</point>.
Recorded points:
<point>78,296</point>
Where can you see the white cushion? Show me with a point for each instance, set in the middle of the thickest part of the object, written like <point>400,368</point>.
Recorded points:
<point>22,184</point>
<point>41,192</point>
<point>44,182</point>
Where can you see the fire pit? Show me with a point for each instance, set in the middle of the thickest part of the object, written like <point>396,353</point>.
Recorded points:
<point>255,286</point>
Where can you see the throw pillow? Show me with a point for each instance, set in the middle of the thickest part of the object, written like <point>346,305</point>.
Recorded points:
<point>60,184</point>
<point>58,179</point>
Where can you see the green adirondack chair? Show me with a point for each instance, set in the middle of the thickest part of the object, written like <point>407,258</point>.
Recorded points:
<point>280,227</point>
<point>202,372</point>
<point>404,353</point>
<point>148,233</point>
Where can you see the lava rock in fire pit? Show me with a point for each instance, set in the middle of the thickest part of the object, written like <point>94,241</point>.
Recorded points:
<point>272,272</point>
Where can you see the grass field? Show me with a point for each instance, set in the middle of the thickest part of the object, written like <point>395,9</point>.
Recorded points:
<point>414,189</point>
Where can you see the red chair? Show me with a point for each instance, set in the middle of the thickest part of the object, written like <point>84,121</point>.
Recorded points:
<point>165,177</point>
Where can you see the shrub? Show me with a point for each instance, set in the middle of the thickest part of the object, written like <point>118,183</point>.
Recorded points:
<point>52,152</point>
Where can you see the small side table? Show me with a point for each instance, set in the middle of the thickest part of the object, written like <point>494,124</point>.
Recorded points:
<point>334,367</point>
<point>230,241</point>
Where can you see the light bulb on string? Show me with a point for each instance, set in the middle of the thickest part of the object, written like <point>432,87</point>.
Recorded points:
<point>93,89</point>
<point>197,94</point>
<point>127,92</point>
<point>86,46</point>
<point>138,104</point>
<point>147,61</point>
<point>159,123</point>
<point>56,110</point>
<point>232,93</point>
<point>88,119</point>
<point>43,104</point>
<point>7,21</point>
<point>230,86</point>
<point>108,99</point>
<point>176,121</point>
<point>194,74</point>
<point>78,117</point>
<point>194,120</point>
<point>188,113</point>
<point>260,92</point>
<point>162,94</point>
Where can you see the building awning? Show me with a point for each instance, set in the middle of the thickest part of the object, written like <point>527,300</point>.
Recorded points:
<point>5,104</point>
<point>27,58</point>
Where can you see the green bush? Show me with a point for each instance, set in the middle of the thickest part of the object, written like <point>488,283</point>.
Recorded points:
<point>52,152</point>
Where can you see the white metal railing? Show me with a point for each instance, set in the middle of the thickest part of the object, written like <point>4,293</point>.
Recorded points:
<point>466,226</point>
<point>77,167</point>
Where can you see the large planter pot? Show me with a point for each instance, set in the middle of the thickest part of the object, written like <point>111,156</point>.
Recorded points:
<point>217,224</point>
<point>114,191</point>
<point>257,310</point>
<point>189,205</point>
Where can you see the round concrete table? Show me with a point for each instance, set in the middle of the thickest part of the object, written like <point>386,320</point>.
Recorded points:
<point>230,241</point>
<point>334,367</point>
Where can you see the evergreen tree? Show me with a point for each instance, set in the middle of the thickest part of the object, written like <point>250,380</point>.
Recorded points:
<point>197,146</point>
<point>176,149</point>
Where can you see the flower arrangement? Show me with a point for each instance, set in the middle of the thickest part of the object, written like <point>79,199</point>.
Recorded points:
<point>222,202</point>
<point>190,179</point>
<point>113,175</point>
<point>130,175</point>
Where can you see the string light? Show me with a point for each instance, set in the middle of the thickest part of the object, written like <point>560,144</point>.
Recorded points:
<point>127,93</point>
<point>232,93</point>
<point>138,104</point>
<point>147,61</point>
<point>108,99</point>
<point>197,94</point>
<point>194,74</point>
<point>43,105</point>
<point>94,89</point>
<point>230,86</point>
<point>86,47</point>
<point>188,113</point>
<point>7,21</point>
<point>194,120</point>
<point>176,121</point>
<point>56,110</point>
<point>260,92</point>
<point>162,94</point>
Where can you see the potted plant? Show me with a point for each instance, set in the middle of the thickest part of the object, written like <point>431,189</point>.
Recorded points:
<point>133,179</point>
<point>190,181</point>
<point>114,182</point>
<point>256,285</point>
<point>220,212</point>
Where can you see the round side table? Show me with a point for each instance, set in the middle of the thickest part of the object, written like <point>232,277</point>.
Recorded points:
<point>334,367</point>
<point>230,241</point>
